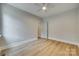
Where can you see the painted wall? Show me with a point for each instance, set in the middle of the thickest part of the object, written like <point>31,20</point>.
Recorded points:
<point>18,25</point>
<point>63,27</point>
<point>0,19</point>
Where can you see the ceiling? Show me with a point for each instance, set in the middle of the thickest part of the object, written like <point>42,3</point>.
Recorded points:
<point>52,8</point>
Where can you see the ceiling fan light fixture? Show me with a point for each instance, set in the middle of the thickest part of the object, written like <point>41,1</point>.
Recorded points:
<point>44,8</point>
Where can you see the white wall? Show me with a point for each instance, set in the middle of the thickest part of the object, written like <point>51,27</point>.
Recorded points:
<point>18,25</point>
<point>77,22</point>
<point>63,27</point>
<point>0,19</point>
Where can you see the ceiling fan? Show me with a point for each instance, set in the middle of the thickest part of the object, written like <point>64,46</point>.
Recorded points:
<point>44,6</point>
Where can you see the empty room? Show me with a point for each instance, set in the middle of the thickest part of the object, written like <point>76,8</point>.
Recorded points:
<point>39,29</point>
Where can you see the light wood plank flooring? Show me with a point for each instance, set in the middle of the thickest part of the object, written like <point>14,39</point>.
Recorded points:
<point>43,47</point>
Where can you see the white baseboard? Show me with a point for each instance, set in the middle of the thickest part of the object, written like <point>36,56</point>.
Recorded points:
<point>69,42</point>
<point>20,43</point>
<point>15,44</point>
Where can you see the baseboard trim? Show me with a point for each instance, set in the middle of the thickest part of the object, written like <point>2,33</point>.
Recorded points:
<point>14,44</point>
<point>74,43</point>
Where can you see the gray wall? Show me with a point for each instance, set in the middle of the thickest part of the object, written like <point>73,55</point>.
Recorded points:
<point>0,18</point>
<point>63,27</point>
<point>18,25</point>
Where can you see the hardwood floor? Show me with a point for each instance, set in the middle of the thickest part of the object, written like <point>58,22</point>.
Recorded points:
<point>43,47</point>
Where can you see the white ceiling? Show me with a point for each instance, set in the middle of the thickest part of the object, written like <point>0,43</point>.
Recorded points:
<point>52,8</point>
